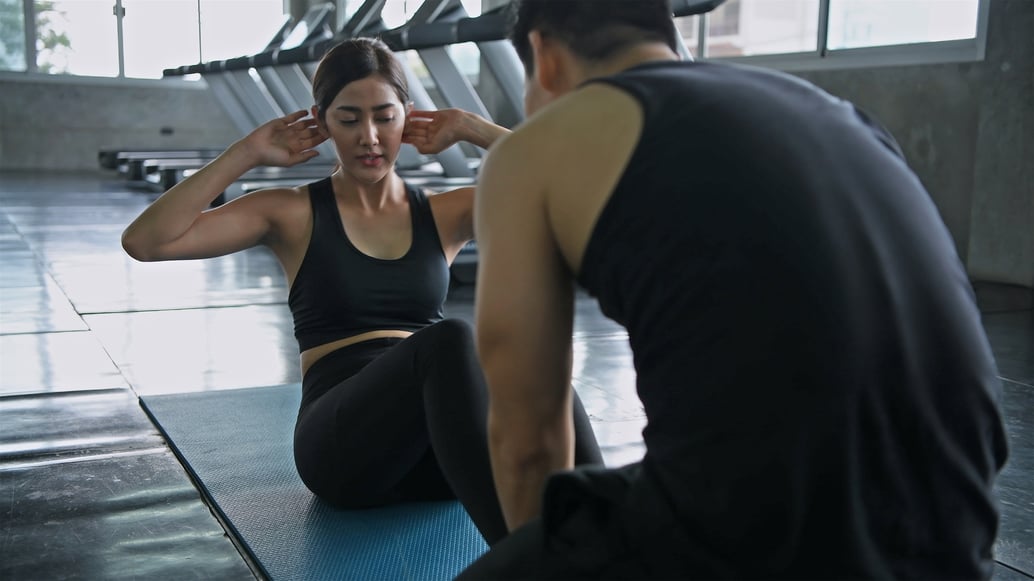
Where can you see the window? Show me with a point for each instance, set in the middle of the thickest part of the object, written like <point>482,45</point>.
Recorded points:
<point>76,36</point>
<point>802,33</point>
<point>12,35</point>
<point>689,28</point>
<point>153,35</point>
<point>132,38</point>
<point>223,37</point>
<point>746,27</point>
<point>859,23</point>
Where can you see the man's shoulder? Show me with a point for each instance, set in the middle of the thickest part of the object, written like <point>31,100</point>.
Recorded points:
<point>580,119</point>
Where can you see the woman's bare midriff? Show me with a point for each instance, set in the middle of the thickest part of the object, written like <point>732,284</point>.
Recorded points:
<point>310,356</point>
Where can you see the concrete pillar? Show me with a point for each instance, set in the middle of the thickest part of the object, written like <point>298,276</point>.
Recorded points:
<point>1001,240</point>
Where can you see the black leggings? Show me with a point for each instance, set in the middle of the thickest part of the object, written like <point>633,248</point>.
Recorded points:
<point>391,420</point>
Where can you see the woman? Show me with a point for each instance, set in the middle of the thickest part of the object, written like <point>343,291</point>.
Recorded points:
<point>393,398</point>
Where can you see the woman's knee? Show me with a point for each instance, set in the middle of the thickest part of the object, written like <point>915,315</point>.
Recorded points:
<point>445,341</point>
<point>449,332</point>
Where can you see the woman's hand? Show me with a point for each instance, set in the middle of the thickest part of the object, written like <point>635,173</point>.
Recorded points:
<point>434,131</point>
<point>284,142</point>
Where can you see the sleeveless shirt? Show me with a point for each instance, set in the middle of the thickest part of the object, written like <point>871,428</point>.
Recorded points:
<point>818,387</point>
<point>340,291</point>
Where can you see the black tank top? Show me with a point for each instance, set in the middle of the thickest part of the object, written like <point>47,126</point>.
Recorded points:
<point>339,291</point>
<point>818,386</point>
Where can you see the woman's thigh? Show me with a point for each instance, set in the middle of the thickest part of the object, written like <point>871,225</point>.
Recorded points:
<point>354,443</point>
<point>365,441</point>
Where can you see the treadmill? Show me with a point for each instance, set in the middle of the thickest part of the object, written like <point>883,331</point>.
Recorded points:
<point>127,161</point>
<point>488,31</point>
<point>243,97</point>
<point>278,76</point>
<point>451,168</point>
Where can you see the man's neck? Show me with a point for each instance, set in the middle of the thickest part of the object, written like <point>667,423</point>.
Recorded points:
<point>633,57</point>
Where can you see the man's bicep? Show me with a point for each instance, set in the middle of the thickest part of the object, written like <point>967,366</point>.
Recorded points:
<point>524,296</point>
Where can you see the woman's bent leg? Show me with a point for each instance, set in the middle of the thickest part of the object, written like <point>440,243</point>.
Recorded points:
<point>358,440</point>
<point>382,434</point>
<point>456,400</point>
<point>586,449</point>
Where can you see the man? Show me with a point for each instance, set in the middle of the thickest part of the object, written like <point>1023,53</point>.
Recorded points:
<point>820,396</point>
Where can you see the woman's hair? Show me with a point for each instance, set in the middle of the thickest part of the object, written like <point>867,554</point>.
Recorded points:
<point>353,60</point>
<point>594,30</point>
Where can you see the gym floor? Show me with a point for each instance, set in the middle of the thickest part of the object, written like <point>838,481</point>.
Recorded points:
<point>89,488</point>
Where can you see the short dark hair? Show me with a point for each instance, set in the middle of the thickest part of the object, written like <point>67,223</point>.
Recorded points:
<point>353,60</point>
<point>594,30</point>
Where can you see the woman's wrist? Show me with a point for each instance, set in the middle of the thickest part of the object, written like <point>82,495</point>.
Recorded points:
<point>242,156</point>
<point>481,132</point>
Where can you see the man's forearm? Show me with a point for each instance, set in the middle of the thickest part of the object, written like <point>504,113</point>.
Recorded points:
<point>522,459</point>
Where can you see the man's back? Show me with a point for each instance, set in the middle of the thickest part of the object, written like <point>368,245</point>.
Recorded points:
<point>818,387</point>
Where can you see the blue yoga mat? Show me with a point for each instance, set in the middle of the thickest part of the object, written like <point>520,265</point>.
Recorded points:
<point>237,444</point>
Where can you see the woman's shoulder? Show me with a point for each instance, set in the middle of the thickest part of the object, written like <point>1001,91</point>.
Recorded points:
<point>270,199</point>
<point>454,198</point>
<point>282,206</point>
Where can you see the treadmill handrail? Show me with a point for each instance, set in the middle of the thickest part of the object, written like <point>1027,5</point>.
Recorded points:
<point>317,29</point>
<point>492,25</point>
<point>366,21</point>
<point>682,8</point>
<point>489,26</point>
<point>366,17</point>
<point>436,8</point>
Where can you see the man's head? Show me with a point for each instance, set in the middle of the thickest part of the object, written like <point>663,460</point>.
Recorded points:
<point>590,31</point>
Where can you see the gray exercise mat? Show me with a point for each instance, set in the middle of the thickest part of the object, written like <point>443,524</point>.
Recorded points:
<point>237,444</point>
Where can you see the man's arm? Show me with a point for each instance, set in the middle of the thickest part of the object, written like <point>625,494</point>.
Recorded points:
<point>524,312</point>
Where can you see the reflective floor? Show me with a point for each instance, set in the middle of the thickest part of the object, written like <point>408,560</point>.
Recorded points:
<point>89,489</point>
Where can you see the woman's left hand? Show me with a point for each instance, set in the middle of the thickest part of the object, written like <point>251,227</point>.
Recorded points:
<point>434,131</point>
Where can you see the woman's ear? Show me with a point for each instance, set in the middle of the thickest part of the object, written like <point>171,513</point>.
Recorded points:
<point>321,124</point>
<point>315,112</point>
<point>409,108</point>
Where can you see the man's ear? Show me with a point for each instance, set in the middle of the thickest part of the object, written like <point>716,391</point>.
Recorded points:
<point>546,59</point>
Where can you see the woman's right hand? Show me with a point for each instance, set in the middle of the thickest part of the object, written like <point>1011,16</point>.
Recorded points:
<point>284,142</point>
<point>178,224</point>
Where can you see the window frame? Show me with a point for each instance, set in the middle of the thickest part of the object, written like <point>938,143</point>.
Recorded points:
<point>31,54</point>
<point>920,53</point>
<point>940,52</point>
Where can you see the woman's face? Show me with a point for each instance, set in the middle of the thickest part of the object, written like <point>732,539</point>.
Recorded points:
<point>365,121</point>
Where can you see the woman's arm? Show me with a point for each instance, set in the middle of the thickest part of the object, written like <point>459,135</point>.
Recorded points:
<point>433,131</point>
<point>178,225</point>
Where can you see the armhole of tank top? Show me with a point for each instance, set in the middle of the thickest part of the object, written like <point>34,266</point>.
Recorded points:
<point>321,200</point>
<point>419,206</point>
<point>582,276</point>
<point>318,191</point>
<point>314,192</point>
<point>629,89</point>
<point>423,217</point>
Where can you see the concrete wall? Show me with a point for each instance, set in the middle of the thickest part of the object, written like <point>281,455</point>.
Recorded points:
<point>968,131</point>
<point>61,123</point>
